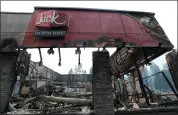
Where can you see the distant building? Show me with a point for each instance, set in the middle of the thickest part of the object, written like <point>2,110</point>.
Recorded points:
<point>38,75</point>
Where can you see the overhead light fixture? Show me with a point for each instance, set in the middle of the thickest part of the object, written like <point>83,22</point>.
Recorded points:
<point>78,51</point>
<point>50,51</point>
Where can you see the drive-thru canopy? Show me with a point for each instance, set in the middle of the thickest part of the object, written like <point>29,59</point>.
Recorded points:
<point>78,27</point>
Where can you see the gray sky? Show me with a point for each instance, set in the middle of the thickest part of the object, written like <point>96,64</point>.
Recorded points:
<point>166,14</point>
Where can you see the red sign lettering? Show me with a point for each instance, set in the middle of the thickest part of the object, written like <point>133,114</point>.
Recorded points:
<point>52,19</point>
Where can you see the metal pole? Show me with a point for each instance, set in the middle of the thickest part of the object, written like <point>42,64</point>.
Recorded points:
<point>151,95</point>
<point>142,87</point>
<point>170,85</point>
<point>135,90</point>
<point>59,57</point>
<point>141,83</point>
<point>40,57</point>
<point>79,59</point>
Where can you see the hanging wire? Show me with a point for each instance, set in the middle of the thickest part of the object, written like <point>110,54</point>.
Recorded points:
<point>59,57</point>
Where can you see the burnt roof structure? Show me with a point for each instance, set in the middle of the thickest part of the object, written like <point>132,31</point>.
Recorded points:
<point>95,27</point>
<point>132,32</point>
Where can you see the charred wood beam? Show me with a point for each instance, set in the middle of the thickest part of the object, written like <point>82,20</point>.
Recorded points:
<point>115,60</point>
<point>133,68</point>
<point>126,70</point>
<point>11,107</point>
<point>117,50</point>
<point>122,61</point>
<point>126,60</point>
<point>76,101</point>
<point>117,65</point>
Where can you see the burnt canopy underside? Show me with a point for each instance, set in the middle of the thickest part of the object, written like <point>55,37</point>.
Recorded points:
<point>125,60</point>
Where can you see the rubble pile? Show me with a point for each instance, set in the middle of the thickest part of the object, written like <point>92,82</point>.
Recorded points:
<point>56,102</point>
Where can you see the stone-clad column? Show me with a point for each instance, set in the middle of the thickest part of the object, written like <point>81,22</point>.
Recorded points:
<point>7,77</point>
<point>102,84</point>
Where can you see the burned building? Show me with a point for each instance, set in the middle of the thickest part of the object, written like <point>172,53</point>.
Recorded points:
<point>137,36</point>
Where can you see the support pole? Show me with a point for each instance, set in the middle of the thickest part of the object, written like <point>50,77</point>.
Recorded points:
<point>170,85</point>
<point>142,87</point>
<point>41,60</point>
<point>134,87</point>
<point>59,51</point>
<point>79,59</point>
<point>141,81</point>
<point>151,94</point>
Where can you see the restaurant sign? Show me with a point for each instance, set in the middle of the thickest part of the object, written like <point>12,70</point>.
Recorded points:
<point>50,33</point>
<point>51,24</point>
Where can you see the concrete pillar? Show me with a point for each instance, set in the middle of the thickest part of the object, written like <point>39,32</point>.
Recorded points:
<point>102,84</point>
<point>7,77</point>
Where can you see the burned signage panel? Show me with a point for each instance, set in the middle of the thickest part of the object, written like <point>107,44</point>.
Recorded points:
<point>51,24</point>
<point>50,34</point>
<point>73,27</point>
